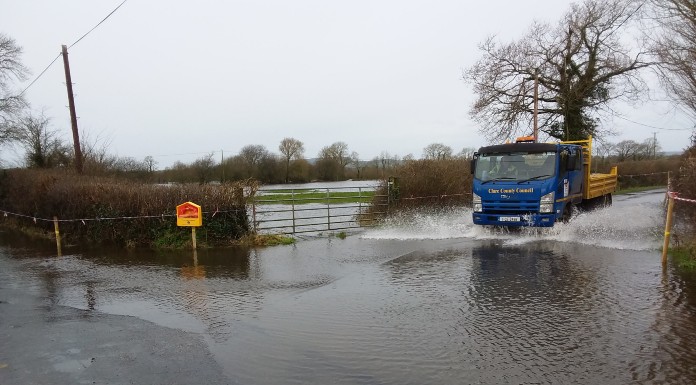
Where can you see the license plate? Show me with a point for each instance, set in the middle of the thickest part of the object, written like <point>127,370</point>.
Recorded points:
<point>509,219</point>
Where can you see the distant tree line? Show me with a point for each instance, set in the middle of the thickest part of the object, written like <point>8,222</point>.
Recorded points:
<point>579,65</point>
<point>333,163</point>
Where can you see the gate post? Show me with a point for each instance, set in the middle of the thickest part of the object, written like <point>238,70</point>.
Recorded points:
<point>328,209</point>
<point>293,211</point>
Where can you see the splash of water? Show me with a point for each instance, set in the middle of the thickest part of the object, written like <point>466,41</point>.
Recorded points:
<point>628,225</point>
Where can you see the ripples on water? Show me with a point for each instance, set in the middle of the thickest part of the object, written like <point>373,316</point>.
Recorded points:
<point>622,226</point>
<point>427,298</point>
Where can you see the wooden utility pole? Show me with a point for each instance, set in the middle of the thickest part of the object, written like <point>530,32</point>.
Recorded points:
<point>73,114</point>
<point>536,105</point>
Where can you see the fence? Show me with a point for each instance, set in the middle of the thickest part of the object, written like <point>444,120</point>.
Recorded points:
<point>304,210</point>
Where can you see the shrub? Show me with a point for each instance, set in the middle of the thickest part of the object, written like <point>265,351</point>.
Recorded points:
<point>653,172</point>
<point>429,182</point>
<point>103,210</point>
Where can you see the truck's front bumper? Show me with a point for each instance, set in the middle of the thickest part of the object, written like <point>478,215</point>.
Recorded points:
<point>515,220</point>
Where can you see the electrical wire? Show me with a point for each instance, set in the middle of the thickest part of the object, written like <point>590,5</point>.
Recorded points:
<point>98,24</point>
<point>649,126</point>
<point>38,77</point>
<point>71,45</point>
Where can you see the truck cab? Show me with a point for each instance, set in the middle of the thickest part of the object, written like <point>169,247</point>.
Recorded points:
<point>527,184</point>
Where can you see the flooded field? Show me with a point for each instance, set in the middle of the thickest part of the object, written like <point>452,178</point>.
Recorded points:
<point>424,299</point>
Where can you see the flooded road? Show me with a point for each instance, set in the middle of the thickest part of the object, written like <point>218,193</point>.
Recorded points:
<point>425,299</point>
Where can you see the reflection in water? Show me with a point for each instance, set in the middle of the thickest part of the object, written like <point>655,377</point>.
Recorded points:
<point>393,312</point>
<point>672,355</point>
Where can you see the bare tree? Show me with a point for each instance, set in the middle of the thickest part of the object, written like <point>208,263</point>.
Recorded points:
<point>291,149</point>
<point>252,155</point>
<point>437,151</point>
<point>95,152</point>
<point>581,65</point>
<point>204,168</point>
<point>357,163</point>
<point>42,145</point>
<point>11,69</point>
<point>674,45</point>
<point>467,153</point>
<point>150,163</point>
<point>627,149</point>
<point>339,156</point>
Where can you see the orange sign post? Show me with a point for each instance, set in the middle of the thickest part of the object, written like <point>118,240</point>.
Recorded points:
<point>189,214</point>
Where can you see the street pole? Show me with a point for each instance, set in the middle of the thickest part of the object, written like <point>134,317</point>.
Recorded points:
<point>73,114</point>
<point>536,105</point>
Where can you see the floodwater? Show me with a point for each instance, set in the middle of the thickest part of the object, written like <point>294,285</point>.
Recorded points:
<point>425,299</point>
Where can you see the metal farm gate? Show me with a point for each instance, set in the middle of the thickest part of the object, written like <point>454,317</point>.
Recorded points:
<point>305,210</point>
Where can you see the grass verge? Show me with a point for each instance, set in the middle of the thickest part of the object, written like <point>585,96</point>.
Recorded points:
<point>684,257</point>
<point>253,240</point>
<point>315,197</point>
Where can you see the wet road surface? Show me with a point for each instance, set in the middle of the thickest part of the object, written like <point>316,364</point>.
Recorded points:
<point>425,299</point>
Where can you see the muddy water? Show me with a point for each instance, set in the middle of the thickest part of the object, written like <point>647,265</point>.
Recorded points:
<point>426,299</point>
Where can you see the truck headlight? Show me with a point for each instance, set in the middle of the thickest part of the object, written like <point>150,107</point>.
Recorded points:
<point>546,203</point>
<point>478,207</point>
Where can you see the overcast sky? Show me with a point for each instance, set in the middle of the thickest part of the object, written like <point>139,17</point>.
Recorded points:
<point>176,80</point>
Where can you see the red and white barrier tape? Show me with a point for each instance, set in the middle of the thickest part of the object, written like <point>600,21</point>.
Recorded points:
<point>653,173</point>
<point>676,197</point>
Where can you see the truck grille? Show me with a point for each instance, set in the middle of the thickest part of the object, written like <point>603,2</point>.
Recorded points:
<point>510,207</point>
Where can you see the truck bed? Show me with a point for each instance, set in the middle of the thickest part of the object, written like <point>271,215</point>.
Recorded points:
<point>600,184</point>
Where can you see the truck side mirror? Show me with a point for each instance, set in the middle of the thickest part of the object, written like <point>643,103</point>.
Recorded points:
<point>472,166</point>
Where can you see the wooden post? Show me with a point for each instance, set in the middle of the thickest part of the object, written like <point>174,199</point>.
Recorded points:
<point>536,105</point>
<point>253,213</point>
<point>668,228</point>
<point>193,236</point>
<point>57,230</point>
<point>73,114</point>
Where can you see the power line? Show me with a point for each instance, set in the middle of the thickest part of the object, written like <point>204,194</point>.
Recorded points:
<point>71,45</point>
<point>98,24</point>
<point>41,74</point>
<point>649,126</point>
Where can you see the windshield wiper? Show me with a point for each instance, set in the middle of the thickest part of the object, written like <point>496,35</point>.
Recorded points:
<point>499,179</point>
<point>533,178</point>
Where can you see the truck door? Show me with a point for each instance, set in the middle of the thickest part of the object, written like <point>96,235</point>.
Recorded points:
<point>576,176</point>
<point>571,174</point>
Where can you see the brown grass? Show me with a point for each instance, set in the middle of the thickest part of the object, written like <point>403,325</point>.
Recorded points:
<point>45,194</point>
<point>434,183</point>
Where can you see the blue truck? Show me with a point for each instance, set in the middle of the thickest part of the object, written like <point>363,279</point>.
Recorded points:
<point>536,184</point>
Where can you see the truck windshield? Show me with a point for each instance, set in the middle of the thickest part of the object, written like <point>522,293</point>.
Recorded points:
<point>516,166</point>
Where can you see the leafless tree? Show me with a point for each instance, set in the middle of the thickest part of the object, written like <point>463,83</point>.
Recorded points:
<point>581,64</point>
<point>466,153</point>
<point>337,153</point>
<point>150,163</point>
<point>357,163</point>
<point>95,152</point>
<point>11,103</point>
<point>42,145</point>
<point>674,44</point>
<point>252,155</point>
<point>290,149</point>
<point>437,151</point>
<point>204,168</point>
